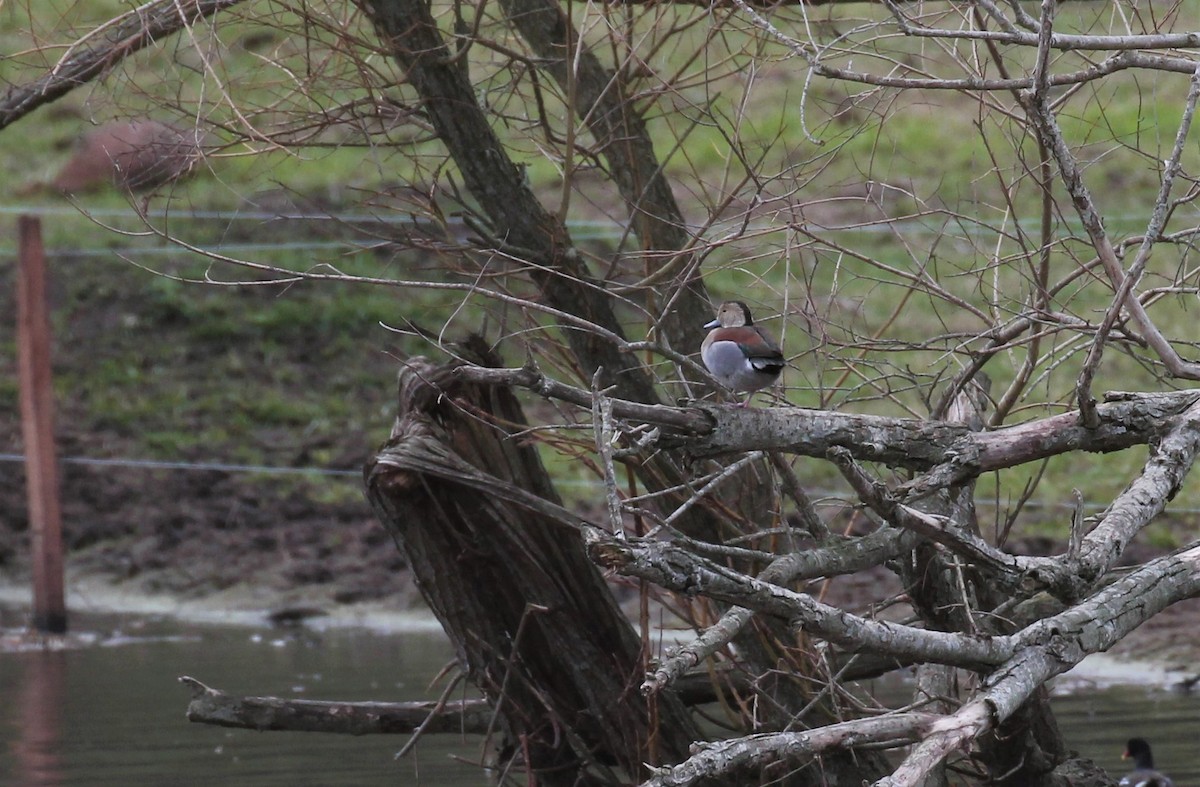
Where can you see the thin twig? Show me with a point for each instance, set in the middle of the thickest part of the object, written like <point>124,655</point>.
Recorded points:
<point>1125,292</point>
<point>605,437</point>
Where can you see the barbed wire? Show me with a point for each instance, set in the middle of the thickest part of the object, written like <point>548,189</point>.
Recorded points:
<point>252,469</point>
<point>164,464</point>
<point>167,251</point>
<point>582,228</point>
<point>257,215</point>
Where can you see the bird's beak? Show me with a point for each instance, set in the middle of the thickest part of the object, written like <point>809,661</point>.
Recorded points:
<point>712,324</point>
<point>1125,755</point>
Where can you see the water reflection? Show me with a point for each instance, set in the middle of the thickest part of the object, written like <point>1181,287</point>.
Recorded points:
<point>112,713</point>
<point>1098,723</point>
<point>37,719</point>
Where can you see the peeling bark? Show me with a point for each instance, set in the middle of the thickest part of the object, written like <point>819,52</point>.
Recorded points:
<point>511,585</point>
<point>949,453</point>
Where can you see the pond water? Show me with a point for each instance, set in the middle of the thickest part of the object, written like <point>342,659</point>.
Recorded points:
<point>111,712</point>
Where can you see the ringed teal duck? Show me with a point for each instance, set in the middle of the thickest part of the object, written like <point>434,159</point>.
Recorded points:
<point>740,354</point>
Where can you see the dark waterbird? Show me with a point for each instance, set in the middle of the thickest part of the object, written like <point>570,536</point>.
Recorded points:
<point>1143,773</point>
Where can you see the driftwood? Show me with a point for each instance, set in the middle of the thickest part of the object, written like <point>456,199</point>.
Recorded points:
<point>486,536</point>
<point>506,568</point>
<point>1091,617</point>
<point>459,717</point>
<point>216,707</point>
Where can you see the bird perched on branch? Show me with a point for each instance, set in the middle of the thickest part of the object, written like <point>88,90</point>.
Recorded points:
<point>1143,773</point>
<point>740,354</point>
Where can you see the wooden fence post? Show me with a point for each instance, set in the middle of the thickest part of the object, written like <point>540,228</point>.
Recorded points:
<point>37,429</point>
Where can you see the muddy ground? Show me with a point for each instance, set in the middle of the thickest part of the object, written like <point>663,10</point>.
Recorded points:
<point>258,543</point>
<point>191,534</point>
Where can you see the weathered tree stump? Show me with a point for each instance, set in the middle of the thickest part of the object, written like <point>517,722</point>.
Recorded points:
<point>529,615</point>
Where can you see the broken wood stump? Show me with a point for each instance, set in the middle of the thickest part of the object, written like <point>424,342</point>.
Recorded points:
<point>496,557</point>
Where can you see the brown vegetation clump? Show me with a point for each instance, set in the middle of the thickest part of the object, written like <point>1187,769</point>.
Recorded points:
<point>134,155</point>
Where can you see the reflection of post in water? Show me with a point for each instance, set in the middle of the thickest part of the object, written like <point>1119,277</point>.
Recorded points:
<point>35,751</point>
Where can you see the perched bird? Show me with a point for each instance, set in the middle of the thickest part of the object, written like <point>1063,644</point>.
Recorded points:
<point>1143,773</point>
<point>739,353</point>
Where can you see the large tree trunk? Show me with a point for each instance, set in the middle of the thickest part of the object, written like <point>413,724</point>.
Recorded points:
<point>529,615</point>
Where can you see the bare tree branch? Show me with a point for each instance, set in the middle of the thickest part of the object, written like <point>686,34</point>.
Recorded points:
<point>108,45</point>
<point>1158,220</point>
<point>1038,653</point>
<point>950,452</point>
<point>1145,498</point>
<point>1051,647</point>
<point>1038,106</point>
<point>968,545</point>
<point>753,752</point>
<point>682,571</point>
<point>841,558</point>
